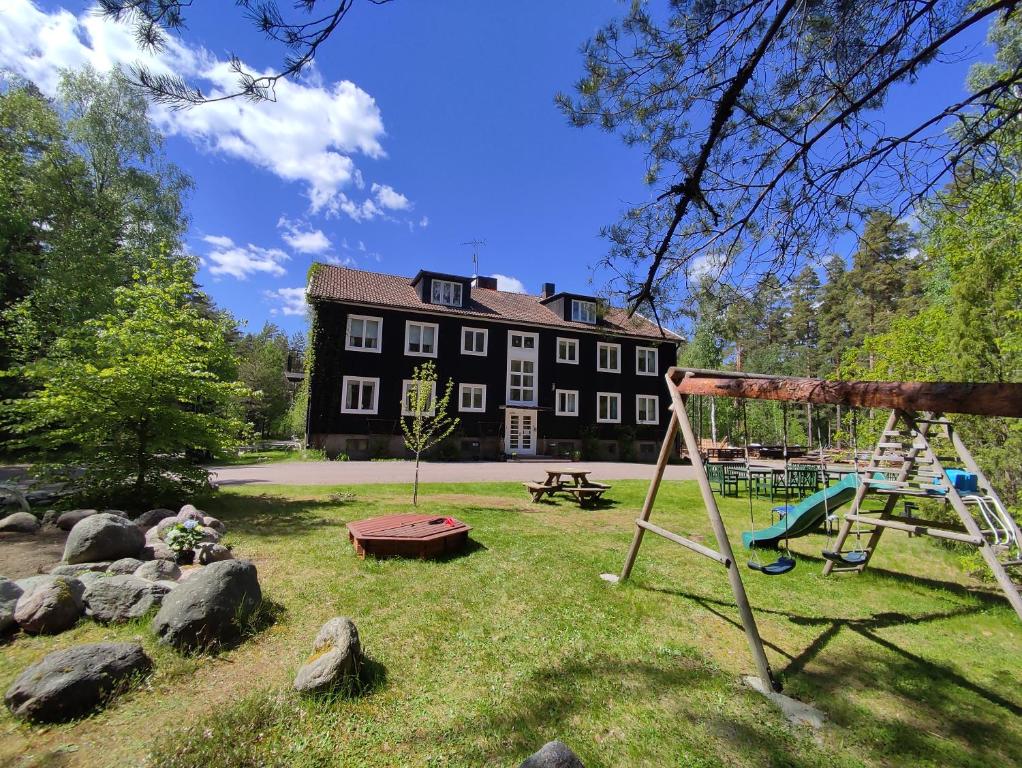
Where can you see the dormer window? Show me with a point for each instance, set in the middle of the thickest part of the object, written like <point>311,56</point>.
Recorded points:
<point>583,311</point>
<point>446,292</point>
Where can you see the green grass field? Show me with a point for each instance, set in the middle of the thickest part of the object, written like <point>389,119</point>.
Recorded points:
<point>482,658</point>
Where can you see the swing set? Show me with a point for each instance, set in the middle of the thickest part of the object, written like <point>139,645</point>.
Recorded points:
<point>903,464</point>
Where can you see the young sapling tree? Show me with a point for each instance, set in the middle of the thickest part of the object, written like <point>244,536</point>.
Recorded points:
<point>427,422</point>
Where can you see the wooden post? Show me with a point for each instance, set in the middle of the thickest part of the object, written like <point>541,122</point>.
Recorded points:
<point>647,506</point>
<point>724,545</point>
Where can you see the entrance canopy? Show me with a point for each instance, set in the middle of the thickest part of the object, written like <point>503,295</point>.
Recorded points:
<point>935,397</point>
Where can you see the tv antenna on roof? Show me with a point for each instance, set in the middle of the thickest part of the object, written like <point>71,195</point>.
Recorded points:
<point>475,253</point>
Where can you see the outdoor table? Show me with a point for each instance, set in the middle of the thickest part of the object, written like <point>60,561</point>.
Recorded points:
<point>578,476</point>
<point>761,475</point>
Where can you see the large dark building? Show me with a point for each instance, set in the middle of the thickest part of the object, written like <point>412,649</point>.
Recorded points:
<point>548,375</point>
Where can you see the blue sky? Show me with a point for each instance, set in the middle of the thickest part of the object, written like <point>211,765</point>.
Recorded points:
<point>424,125</point>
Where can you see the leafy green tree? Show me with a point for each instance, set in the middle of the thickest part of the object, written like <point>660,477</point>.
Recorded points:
<point>262,358</point>
<point>136,394</point>
<point>429,423</point>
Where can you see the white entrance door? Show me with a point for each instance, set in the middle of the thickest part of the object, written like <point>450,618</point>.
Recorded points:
<point>520,432</point>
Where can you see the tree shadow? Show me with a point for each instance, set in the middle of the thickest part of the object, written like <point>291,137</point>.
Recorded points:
<point>267,515</point>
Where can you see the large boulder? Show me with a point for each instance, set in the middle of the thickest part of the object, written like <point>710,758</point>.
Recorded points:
<point>124,566</point>
<point>103,537</point>
<point>69,520</point>
<point>157,532</point>
<point>553,754</point>
<point>205,610</point>
<point>336,654</point>
<point>76,570</point>
<point>116,599</point>
<point>159,570</point>
<point>19,522</point>
<point>216,525</point>
<point>50,606</point>
<point>150,518</point>
<point>71,683</point>
<point>208,552</point>
<point>9,594</point>
<point>157,550</point>
<point>189,512</point>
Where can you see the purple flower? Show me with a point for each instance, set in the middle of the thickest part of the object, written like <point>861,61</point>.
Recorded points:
<point>189,524</point>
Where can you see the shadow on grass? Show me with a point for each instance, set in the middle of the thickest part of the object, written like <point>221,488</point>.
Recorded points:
<point>267,515</point>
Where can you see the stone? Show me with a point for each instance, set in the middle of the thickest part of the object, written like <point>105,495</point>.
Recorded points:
<point>553,754</point>
<point>205,610</point>
<point>71,683</point>
<point>157,533</point>
<point>150,518</point>
<point>76,570</point>
<point>189,512</point>
<point>91,577</point>
<point>103,537</point>
<point>9,594</point>
<point>216,525</point>
<point>209,536</point>
<point>29,583</point>
<point>19,522</point>
<point>118,512</point>
<point>157,550</point>
<point>117,599</point>
<point>124,566</point>
<point>50,517</point>
<point>168,585</point>
<point>335,657</point>
<point>208,552</point>
<point>159,570</point>
<point>69,520</point>
<point>50,607</point>
<point>797,712</point>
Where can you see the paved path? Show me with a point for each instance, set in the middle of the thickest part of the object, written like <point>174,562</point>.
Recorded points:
<point>359,472</point>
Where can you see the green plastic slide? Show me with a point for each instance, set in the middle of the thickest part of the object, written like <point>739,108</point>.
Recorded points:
<point>805,516</point>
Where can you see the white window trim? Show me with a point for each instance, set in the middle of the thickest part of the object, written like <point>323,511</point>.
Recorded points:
<point>558,353</point>
<point>461,390</point>
<point>461,292</point>
<point>436,338</point>
<point>557,402</point>
<point>599,346</point>
<point>656,409</point>
<point>486,340</point>
<point>524,354</point>
<point>656,361</point>
<point>347,334</point>
<point>405,384</point>
<point>581,302</point>
<point>608,394</point>
<point>361,379</point>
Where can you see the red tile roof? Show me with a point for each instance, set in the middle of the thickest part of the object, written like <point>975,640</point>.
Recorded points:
<point>356,286</point>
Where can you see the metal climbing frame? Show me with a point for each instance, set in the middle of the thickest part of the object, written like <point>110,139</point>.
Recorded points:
<point>904,399</point>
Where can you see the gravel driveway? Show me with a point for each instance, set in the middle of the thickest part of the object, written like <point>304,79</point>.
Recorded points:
<point>360,472</point>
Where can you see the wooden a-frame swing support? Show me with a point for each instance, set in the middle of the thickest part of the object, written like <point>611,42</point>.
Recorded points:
<point>917,467</point>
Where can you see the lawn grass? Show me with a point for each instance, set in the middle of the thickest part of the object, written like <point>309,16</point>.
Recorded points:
<point>482,658</point>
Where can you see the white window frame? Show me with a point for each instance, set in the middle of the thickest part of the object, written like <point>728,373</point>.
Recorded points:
<point>436,338</point>
<point>345,380</point>
<point>574,343</point>
<point>656,409</point>
<point>616,396</point>
<point>525,355</point>
<point>461,404</point>
<point>347,334</point>
<point>580,316</point>
<point>405,385</point>
<point>656,360</point>
<point>440,284</point>
<point>600,345</point>
<point>486,340</point>
<point>557,402</point>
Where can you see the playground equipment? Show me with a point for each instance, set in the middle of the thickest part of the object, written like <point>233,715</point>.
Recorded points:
<point>902,465</point>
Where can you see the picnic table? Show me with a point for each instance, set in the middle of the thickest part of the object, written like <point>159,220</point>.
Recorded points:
<point>585,491</point>
<point>578,476</point>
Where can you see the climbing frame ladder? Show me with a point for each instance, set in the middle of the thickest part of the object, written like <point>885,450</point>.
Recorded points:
<point>905,465</point>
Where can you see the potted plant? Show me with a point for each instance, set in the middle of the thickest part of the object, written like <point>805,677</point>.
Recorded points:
<point>183,538</point>
<point>576,455</point>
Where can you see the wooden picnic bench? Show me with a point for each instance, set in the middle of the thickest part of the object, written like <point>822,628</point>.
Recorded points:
<point>536,490</point>
<point>587,495</point>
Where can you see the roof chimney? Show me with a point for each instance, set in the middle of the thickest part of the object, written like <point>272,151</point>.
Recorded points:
<point>548,290</point>
<point>482,281</point>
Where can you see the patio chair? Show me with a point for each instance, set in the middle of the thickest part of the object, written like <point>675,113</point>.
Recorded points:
<point>801,481</point>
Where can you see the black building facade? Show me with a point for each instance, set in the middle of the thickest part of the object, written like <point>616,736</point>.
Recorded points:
<point>533,375</point>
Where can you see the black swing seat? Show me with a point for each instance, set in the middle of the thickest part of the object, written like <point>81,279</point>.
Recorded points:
<point>780,566</point>
<point>856,557</point>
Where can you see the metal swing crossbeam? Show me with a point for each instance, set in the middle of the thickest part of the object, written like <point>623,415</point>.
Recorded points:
<point>904,399</point>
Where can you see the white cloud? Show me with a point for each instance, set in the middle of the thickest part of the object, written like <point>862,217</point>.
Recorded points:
<point>390,198</point>
<point>308,135</point>
<point>339,261</point>
<point>302,237</point>
<point>510,284</point>
<point>292,300</point>
<point>424,222</point>
<point>239,261</point>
